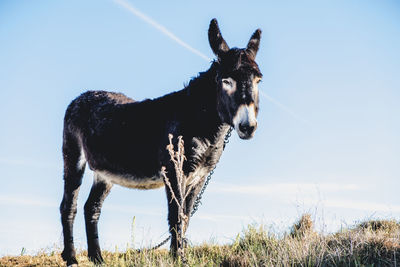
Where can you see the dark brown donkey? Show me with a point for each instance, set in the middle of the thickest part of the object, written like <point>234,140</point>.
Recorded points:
<point>124,141</point>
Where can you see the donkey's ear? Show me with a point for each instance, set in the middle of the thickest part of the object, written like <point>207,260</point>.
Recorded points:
<point>254,43</point>
<point>217,43</point>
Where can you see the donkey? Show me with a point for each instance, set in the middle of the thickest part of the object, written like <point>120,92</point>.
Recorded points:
<point>124,141</point>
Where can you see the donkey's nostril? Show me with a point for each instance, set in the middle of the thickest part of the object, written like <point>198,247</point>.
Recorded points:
<point>246,128</point>
<point>250,129</point>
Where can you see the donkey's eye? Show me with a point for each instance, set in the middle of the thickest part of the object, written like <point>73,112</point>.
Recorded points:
<point>227,82</point>
<point>229,85</point>
<point>259,81</point>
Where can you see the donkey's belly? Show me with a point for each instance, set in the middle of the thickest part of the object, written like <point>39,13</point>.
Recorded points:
<point>131,181</point>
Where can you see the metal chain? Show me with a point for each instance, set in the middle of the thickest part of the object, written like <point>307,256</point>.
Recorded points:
<point>161,243</point>
<point>197,202</point>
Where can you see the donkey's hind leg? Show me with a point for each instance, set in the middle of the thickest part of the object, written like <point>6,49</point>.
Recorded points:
<point>74,167</point>
<point>100,189</point>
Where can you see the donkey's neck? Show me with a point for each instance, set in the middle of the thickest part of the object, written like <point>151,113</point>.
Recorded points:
<point>202,101</point>
<point>205,130</point>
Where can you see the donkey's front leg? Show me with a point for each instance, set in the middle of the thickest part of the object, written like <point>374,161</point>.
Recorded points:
<point>100,190</point>
<point>175,225</point>
<point>178,226</point>
<point>188,208</point>
<point>189,203</point>
<point>191,198</point>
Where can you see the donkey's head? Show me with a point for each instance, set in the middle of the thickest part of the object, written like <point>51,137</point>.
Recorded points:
<point>237,80</point>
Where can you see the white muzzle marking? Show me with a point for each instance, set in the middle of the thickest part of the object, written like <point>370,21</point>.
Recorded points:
<point>246,115</point>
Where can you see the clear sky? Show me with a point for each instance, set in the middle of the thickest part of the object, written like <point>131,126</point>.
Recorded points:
<point>329,124</point>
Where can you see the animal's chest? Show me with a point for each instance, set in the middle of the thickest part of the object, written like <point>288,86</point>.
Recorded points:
<point>202,160</point>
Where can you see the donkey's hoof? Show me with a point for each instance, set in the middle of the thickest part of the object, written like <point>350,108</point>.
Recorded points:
<point>69,257</point>
<point>96,258</point>
<point>72,263</point>
<point>173,252</point>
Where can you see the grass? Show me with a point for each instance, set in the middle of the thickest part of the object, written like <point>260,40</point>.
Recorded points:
<point>369,243</point>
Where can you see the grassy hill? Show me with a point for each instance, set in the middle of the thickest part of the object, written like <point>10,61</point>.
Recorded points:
<point>370,243</point>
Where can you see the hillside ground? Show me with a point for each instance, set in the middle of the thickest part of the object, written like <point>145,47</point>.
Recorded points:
<point>370,243</point>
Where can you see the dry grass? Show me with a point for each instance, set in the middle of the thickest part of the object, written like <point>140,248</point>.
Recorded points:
<point>183,188</point>
<point>370,243</point>
<point>303,227</point>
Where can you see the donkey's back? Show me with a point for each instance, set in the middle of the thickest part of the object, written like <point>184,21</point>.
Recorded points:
<point>112,137</point>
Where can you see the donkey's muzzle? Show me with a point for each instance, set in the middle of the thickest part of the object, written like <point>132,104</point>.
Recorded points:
<point>246,131</point>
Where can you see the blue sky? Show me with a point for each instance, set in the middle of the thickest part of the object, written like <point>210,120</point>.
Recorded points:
<point>329,125</point>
